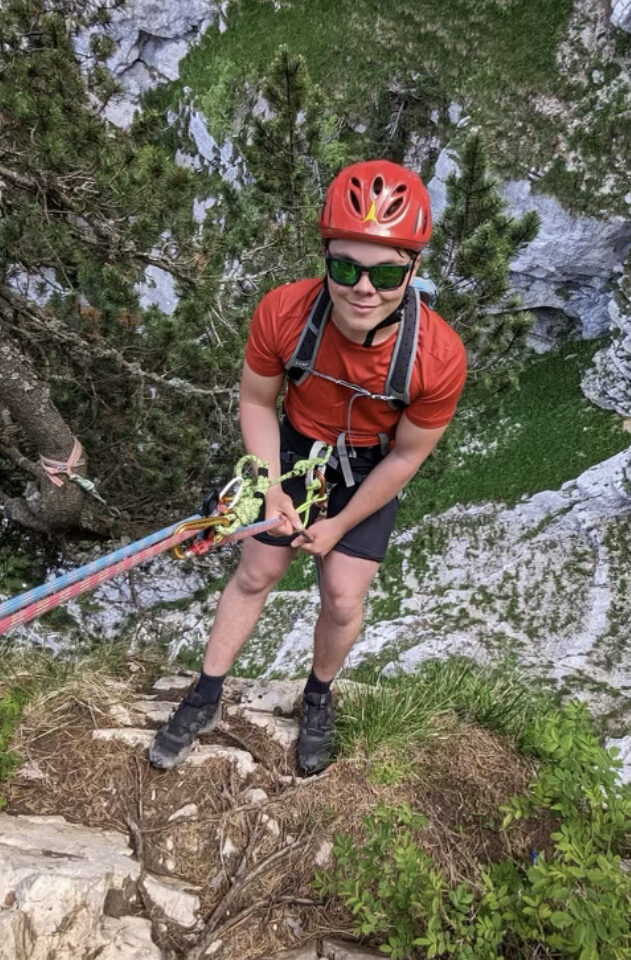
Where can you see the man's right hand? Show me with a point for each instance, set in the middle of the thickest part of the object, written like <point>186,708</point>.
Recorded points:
<point>279,504</point>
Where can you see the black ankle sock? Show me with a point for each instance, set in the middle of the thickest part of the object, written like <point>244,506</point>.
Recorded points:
<point>317,686</point>
<point>209,688</point>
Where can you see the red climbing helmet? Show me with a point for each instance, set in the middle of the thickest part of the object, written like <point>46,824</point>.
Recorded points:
<point>378,201</point>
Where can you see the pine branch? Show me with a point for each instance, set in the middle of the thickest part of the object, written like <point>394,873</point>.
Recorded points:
<point>94,230</point>
<point>82,350</point>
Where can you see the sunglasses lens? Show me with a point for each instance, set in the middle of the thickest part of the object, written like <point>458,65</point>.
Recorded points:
<point>343,272</point>
<point>387,276</point>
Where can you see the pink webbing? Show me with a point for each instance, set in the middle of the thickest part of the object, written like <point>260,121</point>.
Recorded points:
<point>54,468</point>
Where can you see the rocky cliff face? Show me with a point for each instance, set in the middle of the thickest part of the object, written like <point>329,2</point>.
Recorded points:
<point>608,382</point>
<point>150,37</point>
<point>621,14</point>
<point>569,268</point>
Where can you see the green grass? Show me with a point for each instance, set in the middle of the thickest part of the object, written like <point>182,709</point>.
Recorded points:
<point>546,433</point>
<point>494,58</point>
<point>11,706</point>
<point>353,49</point>
<point>399,712</point>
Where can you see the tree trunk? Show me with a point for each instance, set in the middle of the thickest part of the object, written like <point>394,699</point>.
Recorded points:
<point>50,508</point>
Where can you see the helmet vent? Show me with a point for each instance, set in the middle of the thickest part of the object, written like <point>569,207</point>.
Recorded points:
<point>400,188</point>
<point>377,186</point>
<point>393,208</point>
<point>355,201</point>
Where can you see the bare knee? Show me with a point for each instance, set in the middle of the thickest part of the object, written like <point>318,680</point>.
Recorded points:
<point>254,578</point>
<point>342,608</point>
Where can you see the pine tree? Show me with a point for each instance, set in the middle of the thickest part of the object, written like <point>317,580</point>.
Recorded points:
<point>469,256</point>
<point>291,153</point>
<point>86,204</point>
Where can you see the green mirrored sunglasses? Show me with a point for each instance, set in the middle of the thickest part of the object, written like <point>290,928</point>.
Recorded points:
<point>383,276</point>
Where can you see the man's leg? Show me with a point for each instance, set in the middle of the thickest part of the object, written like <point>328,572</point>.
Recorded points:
<point>344,582</point>
<point>238,610</point>
<point>241,602</point>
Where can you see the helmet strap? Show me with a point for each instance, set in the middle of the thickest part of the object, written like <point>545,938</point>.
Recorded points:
<point>395,317</point>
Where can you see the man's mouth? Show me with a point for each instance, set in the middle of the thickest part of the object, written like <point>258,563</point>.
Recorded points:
<point>362,307</point>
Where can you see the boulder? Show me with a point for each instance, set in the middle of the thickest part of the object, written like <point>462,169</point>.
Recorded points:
<point>281,730</point>
<point>189,811</point>
<point>128,938</point>
<point>54,879</point>
<point>334,949</point>
<point>243,760</point>
<point>173,899</point>
<point>272,696</point>
<point>621,14</point>
<point>308,952</point>
<point>129,736</point>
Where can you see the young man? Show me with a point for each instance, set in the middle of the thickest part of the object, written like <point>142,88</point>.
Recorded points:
<point>342,391</point>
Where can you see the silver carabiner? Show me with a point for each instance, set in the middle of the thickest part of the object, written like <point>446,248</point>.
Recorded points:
<point>239,483</point>
<point>317,448</point>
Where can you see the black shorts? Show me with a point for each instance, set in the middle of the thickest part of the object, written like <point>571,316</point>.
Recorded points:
<point>369,539</point>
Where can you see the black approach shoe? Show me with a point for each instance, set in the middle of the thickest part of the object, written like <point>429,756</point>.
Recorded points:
<point>315,747</point>
<point>175,738</point>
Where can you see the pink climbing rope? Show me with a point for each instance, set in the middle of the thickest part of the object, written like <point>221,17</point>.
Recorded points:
<point>94,580</point>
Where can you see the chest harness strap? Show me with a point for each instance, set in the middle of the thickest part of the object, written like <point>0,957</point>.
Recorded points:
<point>396,391</point>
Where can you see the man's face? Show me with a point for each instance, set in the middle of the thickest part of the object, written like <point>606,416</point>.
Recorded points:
<point>358,309</point>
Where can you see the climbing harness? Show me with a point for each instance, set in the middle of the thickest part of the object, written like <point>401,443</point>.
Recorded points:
<point>55,468</point>
<point>234,517</point>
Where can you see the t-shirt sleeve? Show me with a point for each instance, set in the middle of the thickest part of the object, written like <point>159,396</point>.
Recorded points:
<point>262,352</point>
<point>436,406</point>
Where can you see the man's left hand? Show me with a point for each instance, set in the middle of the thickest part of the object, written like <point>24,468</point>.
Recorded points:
<point>324,534</point>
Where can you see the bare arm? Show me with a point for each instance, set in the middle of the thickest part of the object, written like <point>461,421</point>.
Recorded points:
<point>412,446</point>
<point>257,416</point>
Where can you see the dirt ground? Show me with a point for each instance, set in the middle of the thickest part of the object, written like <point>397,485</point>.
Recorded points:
<point>251,863</point>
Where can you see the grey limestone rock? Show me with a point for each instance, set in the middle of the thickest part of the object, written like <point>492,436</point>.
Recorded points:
<point>608,381</point>
<point>334,949</point>
<point>570,264</point>
<point>621,14</point>
<point>571,261</point>
<point>150,38</point>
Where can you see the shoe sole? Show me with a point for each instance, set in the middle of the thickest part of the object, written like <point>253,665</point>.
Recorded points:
<point>162,762</point>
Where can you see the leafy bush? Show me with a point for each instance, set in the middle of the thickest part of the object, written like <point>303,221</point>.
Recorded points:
<point>575,902</point>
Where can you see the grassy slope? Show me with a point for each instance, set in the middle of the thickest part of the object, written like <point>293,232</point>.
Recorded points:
<point>535,439</point>
<point>496,58</point>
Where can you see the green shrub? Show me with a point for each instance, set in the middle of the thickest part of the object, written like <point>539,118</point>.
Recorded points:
<point>572,903</point>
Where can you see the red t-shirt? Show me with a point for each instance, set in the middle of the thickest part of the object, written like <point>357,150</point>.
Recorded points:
<point>318,408</point>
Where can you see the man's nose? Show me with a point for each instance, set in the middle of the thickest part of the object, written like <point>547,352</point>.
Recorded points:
<point>364,285</point>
